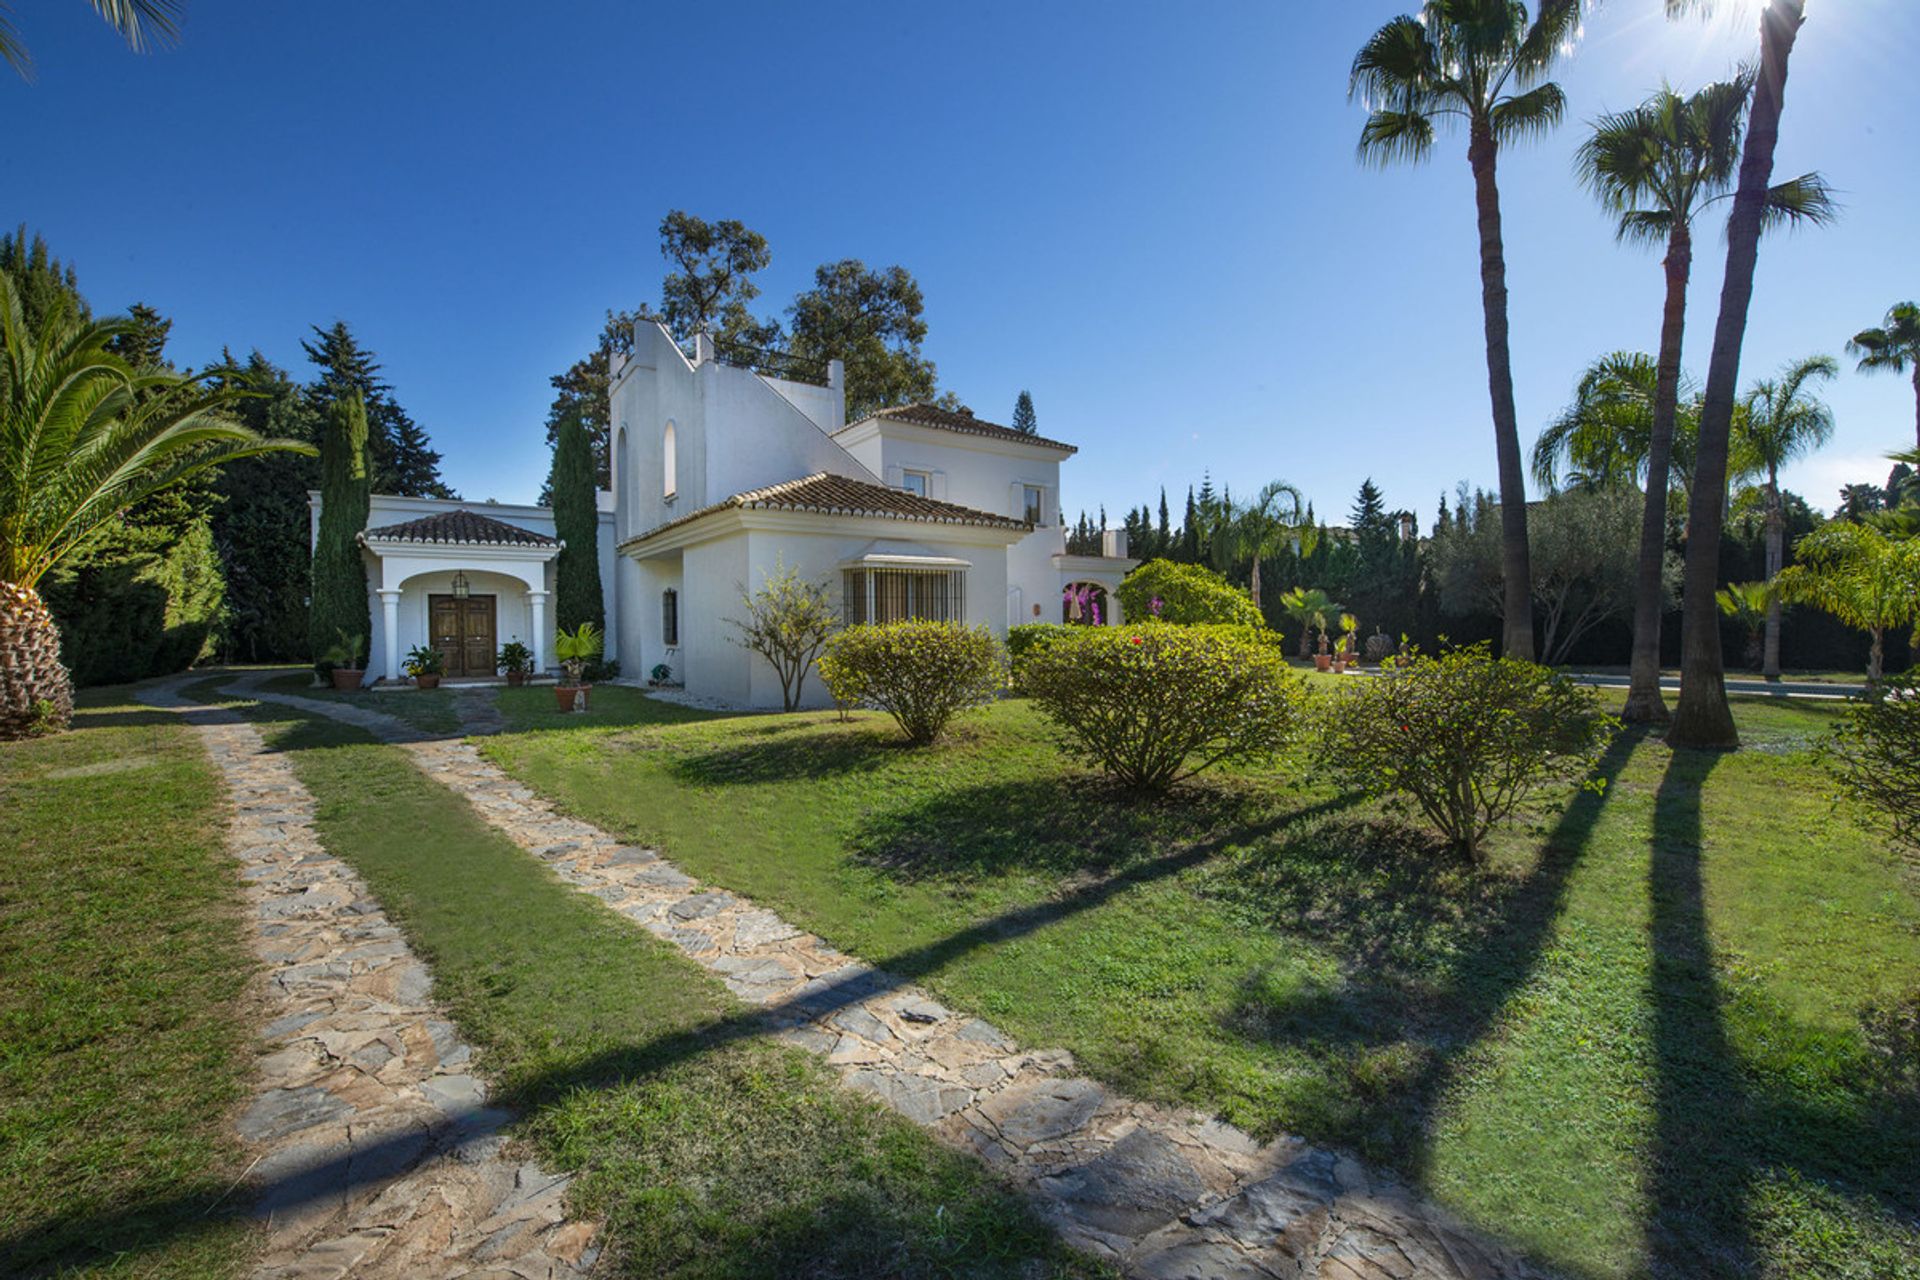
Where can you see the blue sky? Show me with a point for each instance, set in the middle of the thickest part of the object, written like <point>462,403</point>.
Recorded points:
<point>1150,215</point>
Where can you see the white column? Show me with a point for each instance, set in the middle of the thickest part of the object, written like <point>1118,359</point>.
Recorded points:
<point>537,606</point>
<point>390,629</point>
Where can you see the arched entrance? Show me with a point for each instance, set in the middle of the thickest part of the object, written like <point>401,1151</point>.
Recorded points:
<point>1085,604</point>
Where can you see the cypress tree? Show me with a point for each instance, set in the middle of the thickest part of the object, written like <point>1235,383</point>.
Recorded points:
<point>576,519</point>
<point>1190,531</point>
<point>1163,535</point>
<point>346,487</point>
<point>1024,420</point>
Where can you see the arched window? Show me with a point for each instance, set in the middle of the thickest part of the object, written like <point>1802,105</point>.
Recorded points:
<point>669,464</point>
<point>669,618</point>
<point>617,464</point>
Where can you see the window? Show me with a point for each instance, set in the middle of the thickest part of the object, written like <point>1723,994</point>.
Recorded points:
<point>914,482</point>
<point>894,595</point>
<point>1035,507</point>
<point>669,462</point>
<point>669,618</point>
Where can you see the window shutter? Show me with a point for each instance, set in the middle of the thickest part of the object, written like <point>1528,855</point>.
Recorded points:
<point>938,489</point>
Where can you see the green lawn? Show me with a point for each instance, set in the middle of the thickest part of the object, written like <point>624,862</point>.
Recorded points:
<point>429,710</point>
<point>711,1153</point>
<point>124,1025</point>
<point>1631,1044</point>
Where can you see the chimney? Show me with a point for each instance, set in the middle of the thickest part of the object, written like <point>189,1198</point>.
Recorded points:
<point>702,347</point>
<point>1113,542</point>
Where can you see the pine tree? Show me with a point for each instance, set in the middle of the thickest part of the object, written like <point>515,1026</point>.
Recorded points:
<point>1024,420</point>
<point>1163,534</point>
<point>402,461</point>
<point>576,520</point>
<point>1190,531</point>
<point>339,613</point>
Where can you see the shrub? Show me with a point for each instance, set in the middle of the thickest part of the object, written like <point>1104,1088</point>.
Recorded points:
<point>1154,704</point>
<point>920,673</point>
<point>1188,593</point>
<point>1030,637</point>
<point>788,621</point>
<point>339,574</point>
<point>1464,737</point>
<point>424,660</point>
<point>1875,754</point>
<point>514,658</point>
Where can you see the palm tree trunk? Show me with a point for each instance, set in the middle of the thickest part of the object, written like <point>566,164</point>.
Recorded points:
<point>1916,404</point>
<point>36,693</point>
<point>1702,718</point>
<point>1876,655</point>
<point>1644,704</point>
<point>1776,552</point>
<point>1515,568</point>
<point>1256,581</point>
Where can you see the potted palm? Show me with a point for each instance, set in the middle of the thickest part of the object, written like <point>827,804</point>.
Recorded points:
<point>1322,660</point>
<point>425,665</point>
<point>344,662</point>
<point>575,649</point>
<point>516,660</point>
<point>1349,627</point>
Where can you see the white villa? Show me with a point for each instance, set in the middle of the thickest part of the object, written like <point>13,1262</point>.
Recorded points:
<point>725,467</point>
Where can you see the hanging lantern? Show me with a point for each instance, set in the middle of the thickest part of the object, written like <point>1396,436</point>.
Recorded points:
<point>460,586</point>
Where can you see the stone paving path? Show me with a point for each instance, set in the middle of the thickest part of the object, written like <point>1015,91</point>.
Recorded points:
<point>377,1155</point>
<point>1167,1194</point>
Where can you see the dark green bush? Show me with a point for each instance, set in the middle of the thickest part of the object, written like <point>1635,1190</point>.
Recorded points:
<point>1154,704</point>
<point>138,601</point>
<point>1463,737</point>
<point>1028,637</point>
<point>1188,594</point>
<point>920,673</point>
<point>1875,755</point>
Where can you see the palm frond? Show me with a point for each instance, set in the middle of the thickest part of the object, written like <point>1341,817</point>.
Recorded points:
<point>12,51</point>
<point>1390,136</point>
<point>142,23</point>
<point>1892,346</point>
<point>1529,115</point>
<point>1802,201</point>
<point>1555,29</point>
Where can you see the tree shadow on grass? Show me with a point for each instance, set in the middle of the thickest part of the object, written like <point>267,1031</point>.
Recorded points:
<point>1431,949</point>
<point>1722,1125</point>
<point>783,751</point>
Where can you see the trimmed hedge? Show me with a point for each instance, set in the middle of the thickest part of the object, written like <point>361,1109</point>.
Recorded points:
<point>1465,737</point>
<point>921,673</point>
<point>1155,704</point>
<point>1188,594</point>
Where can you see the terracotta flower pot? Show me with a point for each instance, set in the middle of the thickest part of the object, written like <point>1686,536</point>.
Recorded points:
<point>1322,662</point>
<point>426,682</point>
<point>347,679</point>
<point>1339,666</point>
<point>563,694</point>
<point>515,679</point>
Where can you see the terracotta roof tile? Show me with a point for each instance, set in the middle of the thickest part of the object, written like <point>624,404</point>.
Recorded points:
<point>827,494</point>
<point>927,415</point>
<point>461,527</point>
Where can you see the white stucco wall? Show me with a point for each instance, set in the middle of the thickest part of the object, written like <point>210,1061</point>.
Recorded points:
<point>733,431</point>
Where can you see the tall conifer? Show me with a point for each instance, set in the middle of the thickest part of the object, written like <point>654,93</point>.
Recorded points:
<point>576,519</point>
<point>339,575</point>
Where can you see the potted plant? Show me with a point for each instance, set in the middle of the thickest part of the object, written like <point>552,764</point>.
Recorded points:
<point>343,662</point>
<point>516,660</point>
<point>1322,660</point>
<point>425,665</point>
<point>575,649</point>
<point>1349,627</point>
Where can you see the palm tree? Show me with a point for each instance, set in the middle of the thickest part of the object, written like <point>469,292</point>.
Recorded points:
<point>1259,529</point>
<point>1484,63</point>
<point>1606,436</point>
<point>142,23</point>
<point>1861,575</point>
<point>1782,421</point>
<point>1749,604</point>
<point>1701,717</point>
<point>82,438</point>
<point>1310,609</point>
<point>1893,347</point>
<point>1656,167</point>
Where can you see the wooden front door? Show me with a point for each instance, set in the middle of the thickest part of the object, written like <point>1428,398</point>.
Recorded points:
<point>463,633</point>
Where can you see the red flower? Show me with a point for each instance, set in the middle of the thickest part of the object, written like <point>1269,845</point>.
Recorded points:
<point>1136,639</point>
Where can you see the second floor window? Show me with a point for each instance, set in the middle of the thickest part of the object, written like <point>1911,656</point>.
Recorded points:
<point>1034,505</point>
<point>914,482</point>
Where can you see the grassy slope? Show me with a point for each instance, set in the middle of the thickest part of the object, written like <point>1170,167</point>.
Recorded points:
<point>710,1154</point>
<point>1273,952</point>
<point>123,1024</point>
